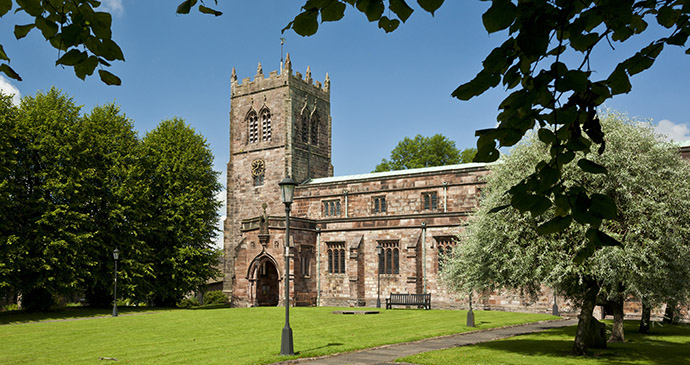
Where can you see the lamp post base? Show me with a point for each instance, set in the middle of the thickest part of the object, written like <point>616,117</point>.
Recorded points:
<point>378,303</point>
<point>470,318</point>
<point>115,311</point>
<point>286,348</point>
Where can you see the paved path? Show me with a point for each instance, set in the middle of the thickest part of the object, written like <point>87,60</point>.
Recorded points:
<point>388,353</point>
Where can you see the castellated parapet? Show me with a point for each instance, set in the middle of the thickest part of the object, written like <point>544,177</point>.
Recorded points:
<point>274,80</point>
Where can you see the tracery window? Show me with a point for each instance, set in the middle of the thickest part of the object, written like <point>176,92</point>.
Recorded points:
<point>315,129</point>
<point>306,264</point>
<point>253,123</point>
<point>389,259</point>
<point>379,204</point>
<point>445,245</point>
<point>336,257</point>
<point>258,172</point>
<point>305,127</point>
<point>331,208</point>
<point>265,125</point>
<point>430,200</point>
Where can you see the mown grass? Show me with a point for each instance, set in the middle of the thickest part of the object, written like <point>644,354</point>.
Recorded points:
<point>228,335</point>
<point>666,345</point>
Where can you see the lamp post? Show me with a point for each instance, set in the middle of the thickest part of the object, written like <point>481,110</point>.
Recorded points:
<point>116,255</point>
<point>470,314</point>
<point>379,251</point>
<point>287,191</point>
<point>554,309</point>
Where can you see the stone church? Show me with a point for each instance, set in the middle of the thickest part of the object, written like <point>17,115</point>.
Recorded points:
<point>280,125</point>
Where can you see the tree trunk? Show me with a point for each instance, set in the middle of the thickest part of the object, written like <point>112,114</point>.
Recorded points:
<point>617,333</point>
<point>585,324</point>
<point>646,317</point>
<point>671,314</point>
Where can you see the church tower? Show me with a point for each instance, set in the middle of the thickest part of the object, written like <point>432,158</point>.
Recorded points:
<point>280,126</point>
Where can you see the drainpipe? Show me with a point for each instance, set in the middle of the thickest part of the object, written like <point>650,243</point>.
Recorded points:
<point>424,255</point>
<point>445,196</point>
<point>318,266</point>
<point>345,192</point>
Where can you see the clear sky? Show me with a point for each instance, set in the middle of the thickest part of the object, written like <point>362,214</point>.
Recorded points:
<point>383,86</point>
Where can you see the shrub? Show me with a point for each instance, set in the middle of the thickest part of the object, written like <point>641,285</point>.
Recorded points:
<point>188,302</point>
<point>38,300</point>
<point>11,307</point>
<point>215,297</point>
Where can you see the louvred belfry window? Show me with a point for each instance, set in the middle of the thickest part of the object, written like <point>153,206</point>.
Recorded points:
<point>265,125</point>
<point>253,124</point>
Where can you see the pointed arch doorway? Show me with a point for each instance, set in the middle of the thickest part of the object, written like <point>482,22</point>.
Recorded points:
<point>266,280</point>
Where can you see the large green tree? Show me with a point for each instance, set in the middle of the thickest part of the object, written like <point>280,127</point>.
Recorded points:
<point>421,151</point>
<point>546,60</point>
<point>649,182</point>
<point>74,187</point>
<point>182,212</point>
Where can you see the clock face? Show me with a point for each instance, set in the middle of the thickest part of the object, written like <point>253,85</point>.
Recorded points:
<point>258,167</point>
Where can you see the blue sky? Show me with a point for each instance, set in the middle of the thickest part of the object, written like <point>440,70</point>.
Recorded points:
<point>383,86</point>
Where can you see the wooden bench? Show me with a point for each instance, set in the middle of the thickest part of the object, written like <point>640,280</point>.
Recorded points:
<point>305,299</point>
<point>420,300</point>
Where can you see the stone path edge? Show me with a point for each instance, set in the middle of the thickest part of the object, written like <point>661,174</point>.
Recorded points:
<point>308,359</point>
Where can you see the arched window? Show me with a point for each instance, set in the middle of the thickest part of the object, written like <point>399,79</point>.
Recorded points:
<point>265,125</point>
<point>253,123</point>
<point>445,245</point>
<point>389,260</point>
<point>305,127</point>
<point>336,257</point>
<point>315,129</point>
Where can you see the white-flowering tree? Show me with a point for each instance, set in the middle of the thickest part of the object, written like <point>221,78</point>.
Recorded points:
<point>650,184</point>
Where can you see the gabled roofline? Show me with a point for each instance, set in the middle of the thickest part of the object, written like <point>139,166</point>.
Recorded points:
<point>473,166</point>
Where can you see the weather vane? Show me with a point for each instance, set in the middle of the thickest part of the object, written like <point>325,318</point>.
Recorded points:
<point>282,41</point>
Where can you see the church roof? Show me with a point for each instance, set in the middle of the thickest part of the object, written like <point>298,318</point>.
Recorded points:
<point>384,174</point>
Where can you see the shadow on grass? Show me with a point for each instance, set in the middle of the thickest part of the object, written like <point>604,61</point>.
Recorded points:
<point>557,343</point>
<point>319,348</point>
<point>210,306</point>
<point>17,317</point>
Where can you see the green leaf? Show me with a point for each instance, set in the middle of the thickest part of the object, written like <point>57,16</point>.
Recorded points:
<point>541,205</point>
<point>100,25</point>
<point>108,78</point>
<point>499,16</point>
<point>333,12</point>
<point>3,55</point>
<point>591,167</point>
<point>207,10</point>
<point>555,225</point>
<point>584,253</point>
<point>71,58</point>
<point>667,16</point>
<point>546,135</point>
<point>618,81</point>
<point>400,8</point>
<point>373,9</point>
<point>46,27</point>
<point>31,7</point>
<point>388,25</point>
<point>564,157</point>
<point>600,239</point>
<point>477,86</point>
<point>5,6</point>
<point>430,5</point>
<point>602,206</point>
<point>7,70</point>
<point>305,23</point>
<point>20,31</point>
<point>583,42</point>
<point>86,67</point>
<point>110,50</point>
<point>185,6</point>
<point>499,208</point>
<point>573,80</point>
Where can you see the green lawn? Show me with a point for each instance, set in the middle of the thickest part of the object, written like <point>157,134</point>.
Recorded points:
<point>666,345</point>
<point>225,335</point>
